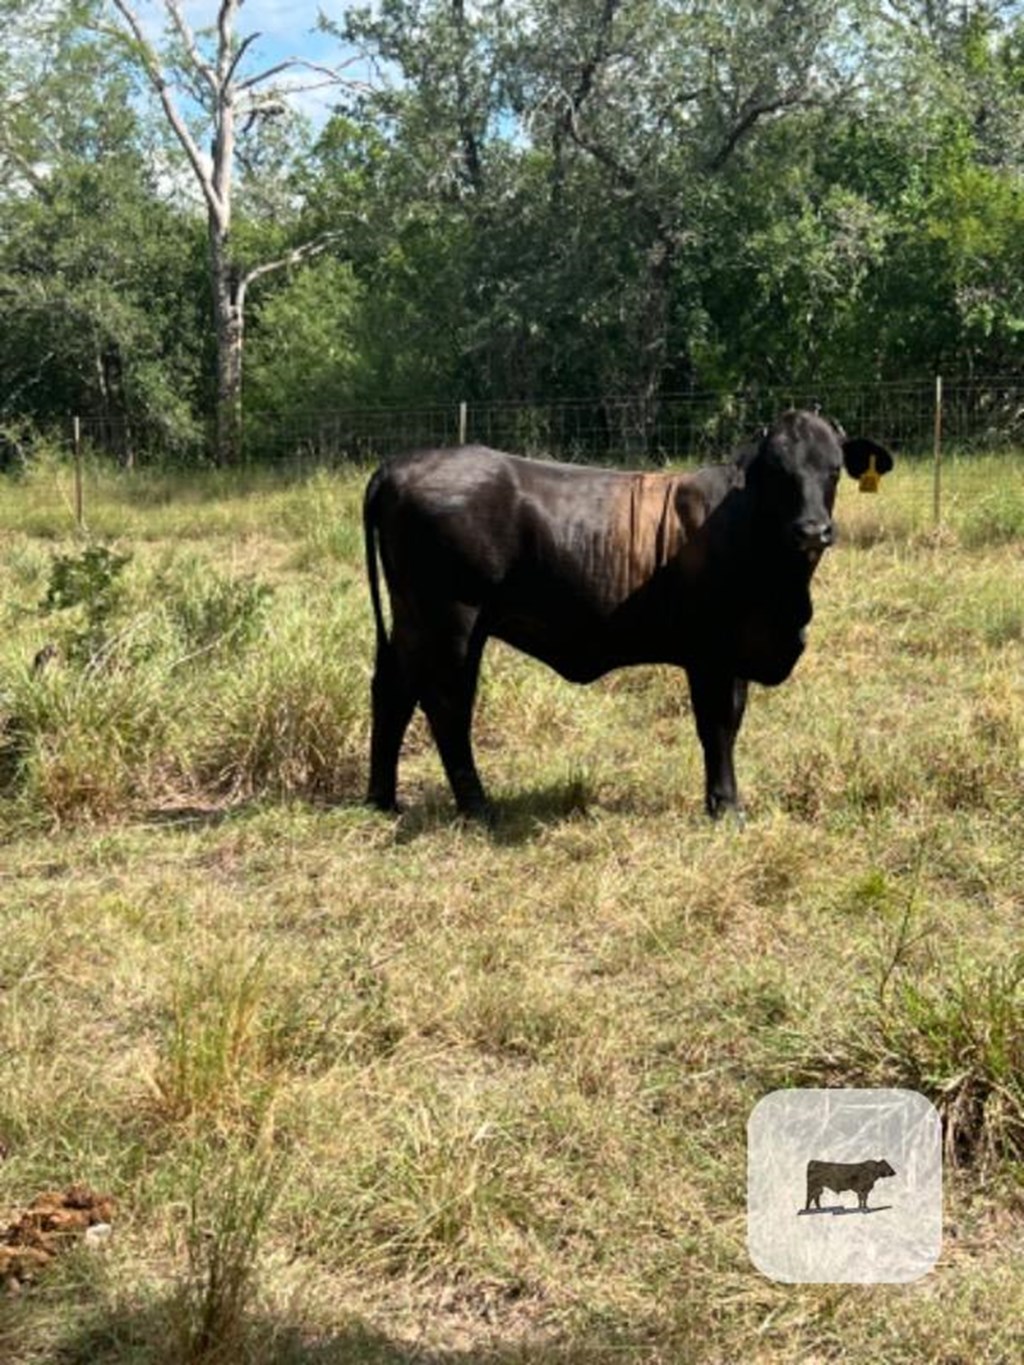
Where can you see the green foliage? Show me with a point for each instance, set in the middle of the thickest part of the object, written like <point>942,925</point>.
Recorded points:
<point>89,580</point>
<point>207,609</point>
<point>97,268</point>
<point>302,356</point>
<point>551,200</point>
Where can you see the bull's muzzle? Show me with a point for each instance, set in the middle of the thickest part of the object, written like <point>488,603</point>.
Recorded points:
<point>812,537</point>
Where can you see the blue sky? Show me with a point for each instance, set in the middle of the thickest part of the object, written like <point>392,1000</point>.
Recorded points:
<point>287,28</point>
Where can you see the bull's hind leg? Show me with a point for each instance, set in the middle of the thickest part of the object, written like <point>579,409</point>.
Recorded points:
<point>719,700</point>
<point>393,700</point>
<point>446,682</point>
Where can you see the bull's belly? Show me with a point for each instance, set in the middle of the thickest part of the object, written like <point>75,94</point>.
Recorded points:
<point>579,656</point>
<point>761,648</point>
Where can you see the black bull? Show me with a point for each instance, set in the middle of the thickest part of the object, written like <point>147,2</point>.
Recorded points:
<point>591,569</point>
<point>859,1176</point>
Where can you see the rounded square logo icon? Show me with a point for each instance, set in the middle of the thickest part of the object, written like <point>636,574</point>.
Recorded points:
<point>844,1186</point>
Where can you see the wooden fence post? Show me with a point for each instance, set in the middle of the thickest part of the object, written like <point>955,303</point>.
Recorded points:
<point>76,426</point>
<point>937,468</point>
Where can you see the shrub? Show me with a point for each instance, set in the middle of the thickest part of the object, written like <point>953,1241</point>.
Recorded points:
<point>89,580</point>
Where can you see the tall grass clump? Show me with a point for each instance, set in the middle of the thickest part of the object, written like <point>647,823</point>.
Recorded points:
<point>81,744</point>
<point>215,1065</point>
<point>231,1197</point>
<point>207,610</point>
<point>290,719</point>
<point>958,1038</point>
<point>325,514</point>
<point>90,729</point>
<point>993,514</point>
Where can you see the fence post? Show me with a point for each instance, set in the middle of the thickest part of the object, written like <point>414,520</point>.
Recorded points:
<point>462,423</point>
<point>76,428</point>
<point>937,469</point>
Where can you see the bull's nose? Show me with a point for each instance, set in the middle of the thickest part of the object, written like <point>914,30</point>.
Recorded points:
<point>814,535</point>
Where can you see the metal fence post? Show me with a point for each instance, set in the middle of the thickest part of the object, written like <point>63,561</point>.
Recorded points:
<point>76,429</point>
<point>937,477</point>
<point>462,423</point>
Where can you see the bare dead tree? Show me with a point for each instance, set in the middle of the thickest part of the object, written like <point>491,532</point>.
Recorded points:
<point>235,102</point>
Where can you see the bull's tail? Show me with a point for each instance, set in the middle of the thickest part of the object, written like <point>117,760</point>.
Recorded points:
<point>372,571</point>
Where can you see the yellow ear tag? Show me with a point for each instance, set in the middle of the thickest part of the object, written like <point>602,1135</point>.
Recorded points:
<point>870,478</point>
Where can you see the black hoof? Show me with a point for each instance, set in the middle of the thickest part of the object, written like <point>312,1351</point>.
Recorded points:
<point>722,810</point>
<point>479,813</point>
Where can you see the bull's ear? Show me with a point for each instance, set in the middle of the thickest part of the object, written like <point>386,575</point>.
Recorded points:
<point>857,451</point>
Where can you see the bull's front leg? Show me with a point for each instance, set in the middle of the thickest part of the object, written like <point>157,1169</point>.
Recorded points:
<point>719,700</point>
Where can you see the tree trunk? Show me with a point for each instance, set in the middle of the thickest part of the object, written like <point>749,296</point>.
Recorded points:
<point>229,324</point>
<point>227,95</point>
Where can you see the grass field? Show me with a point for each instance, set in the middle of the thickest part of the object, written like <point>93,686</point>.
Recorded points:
<point>399,1090</point>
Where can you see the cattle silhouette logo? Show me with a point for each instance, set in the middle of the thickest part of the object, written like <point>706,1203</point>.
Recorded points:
<point>802,1225</point>
<point>838,1176</point>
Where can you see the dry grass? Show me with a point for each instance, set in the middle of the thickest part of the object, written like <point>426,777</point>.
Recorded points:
<point>374,1090</point>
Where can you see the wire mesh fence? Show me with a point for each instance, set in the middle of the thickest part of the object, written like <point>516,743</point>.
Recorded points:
<point>972,424</point>
<point>970,414</point>
<point>973,414</point>
<point>959,447</point>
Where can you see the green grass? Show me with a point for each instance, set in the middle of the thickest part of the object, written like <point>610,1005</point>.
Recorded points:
<point>391,1090</point>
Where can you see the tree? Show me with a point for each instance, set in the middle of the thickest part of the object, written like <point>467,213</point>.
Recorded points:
<point>576,154</point>
<point>236,106</point>
<point>666,104</point>
<point>96,268</point>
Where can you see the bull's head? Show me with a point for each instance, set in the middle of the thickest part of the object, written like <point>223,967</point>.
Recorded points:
<point>795,472</point>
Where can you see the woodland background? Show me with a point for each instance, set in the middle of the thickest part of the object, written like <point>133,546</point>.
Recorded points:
<point>509,201</point>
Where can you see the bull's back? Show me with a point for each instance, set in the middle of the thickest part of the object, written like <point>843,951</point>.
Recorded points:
<point>545,534</point>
